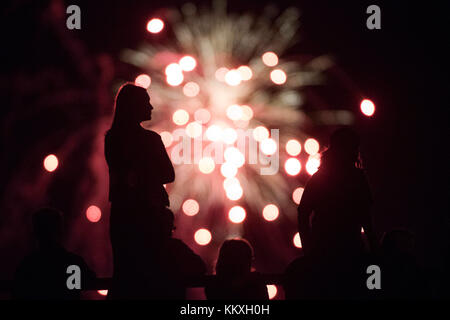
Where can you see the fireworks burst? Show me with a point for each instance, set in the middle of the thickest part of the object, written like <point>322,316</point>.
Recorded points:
<point>221,72</point>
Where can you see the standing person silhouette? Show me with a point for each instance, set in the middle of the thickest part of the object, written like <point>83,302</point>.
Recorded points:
<point>334,206</point>
<point>138,169</point>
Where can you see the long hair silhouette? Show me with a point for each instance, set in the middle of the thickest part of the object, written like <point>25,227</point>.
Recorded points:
<point>132,106</point>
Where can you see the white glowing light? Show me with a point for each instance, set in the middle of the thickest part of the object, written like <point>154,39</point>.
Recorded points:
<point>293,147</point>
<point>270,59</point>
<point>260,133</point>
<point>292,166</point>
<point>237,214</point>
<point>233,78</point>
<point>234,112</point>
<point>268,146</point>
<point>180,117</point>
<point>206,165</point>
<point>187,63</point>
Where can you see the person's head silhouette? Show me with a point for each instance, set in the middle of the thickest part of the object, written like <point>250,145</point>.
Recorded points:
<point>132,106</point>
<point>47,227</point>
<point>235,258</point>
<point>343,149</point>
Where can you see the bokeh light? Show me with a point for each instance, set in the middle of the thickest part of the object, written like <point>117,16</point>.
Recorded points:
<point>228,170</point>
<point>312,146</point>
<point>194,129</point>
<point>93,213</point>
<point>260,133</point>
<point>312,165</point>
<point>234,156</point>
<point>237,214</point>
<point>175,79</point>
<point>206,165</point>
<point>191,89</point>
<point>190,207</point>
<point>230,182</point>
<point>233,78</point>
<point>278,76</point>
<point>234,192</point>
<point>234,112</point>
<point>214,133</point>
<point>155,25</point>
<point>202,236</point>
<point>268,146</point>
<point>221,73</point>
<point>297,241</point>
<point>245,72</point>
<point>270,212</point>
<point>293,147</point>
<point>187,63</point>
<point>51,163</point>
<point>143,80</point>
<point>180,117</point>
<point>272,291</point>
<point>247,113</point>
<point>297,194</point>
<point>292,166</point>
<point>367,107</point>
<point>270,59</point>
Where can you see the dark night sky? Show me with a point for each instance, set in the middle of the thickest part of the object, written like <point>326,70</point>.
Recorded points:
<point>396,66</point>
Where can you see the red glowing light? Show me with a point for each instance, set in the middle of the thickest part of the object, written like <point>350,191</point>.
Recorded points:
<point>93,213</point>
<point>102,292</point>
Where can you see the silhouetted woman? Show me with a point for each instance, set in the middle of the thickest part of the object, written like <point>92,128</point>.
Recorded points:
<point>138,169</point>
<point>234,278</point>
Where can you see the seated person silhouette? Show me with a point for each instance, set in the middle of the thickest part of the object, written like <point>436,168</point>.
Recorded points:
<point>43,273</point>
<point>234,279</point>
<point>402,277</point>
<point>175,265</point>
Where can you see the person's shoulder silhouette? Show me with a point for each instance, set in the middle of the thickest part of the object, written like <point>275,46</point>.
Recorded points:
<point>177,264</point>
<point>42,275</point>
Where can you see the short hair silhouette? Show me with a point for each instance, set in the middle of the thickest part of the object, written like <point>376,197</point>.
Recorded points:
<point>47,225</point>
<point>343,149</point>
<point>132,106</point>
<point>235,257</point>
